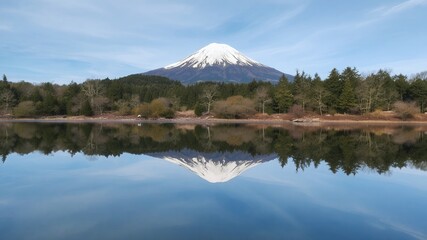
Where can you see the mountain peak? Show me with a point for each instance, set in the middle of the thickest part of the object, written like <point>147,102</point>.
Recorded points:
<point>218,62</point>
<point>215,54</point>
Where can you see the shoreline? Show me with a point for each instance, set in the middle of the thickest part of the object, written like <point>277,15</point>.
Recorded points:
<point>201,121</point>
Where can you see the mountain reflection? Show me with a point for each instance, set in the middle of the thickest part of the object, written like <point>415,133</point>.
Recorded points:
<point>214,167</point>
<point>221,152</point>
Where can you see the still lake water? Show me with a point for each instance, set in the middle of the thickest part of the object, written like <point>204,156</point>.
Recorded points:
<point>124,181</point>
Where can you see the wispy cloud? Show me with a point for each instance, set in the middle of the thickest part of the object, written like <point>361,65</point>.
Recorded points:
<point>90,37</point>
<point>400,7</point>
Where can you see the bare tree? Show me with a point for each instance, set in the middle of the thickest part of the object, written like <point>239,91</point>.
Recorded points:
<point>7,99</point>
<point>134,101</point>
<point>92,89</point>
<point>262,97</point>
<point>320,93</point>
<point>369,93</point>
<point>209,95</point>
<point>406,110</point>
<point>99,104</point>
<point>421,75</point>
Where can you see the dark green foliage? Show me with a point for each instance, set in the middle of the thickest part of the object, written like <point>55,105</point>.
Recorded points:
<point>147,88</point>
<point>86,109</point>
<point>418,92</point>
<point>347,99</point>
<point>347,92</point>
<point>351,75</point>
<point>391,93</point>
<point>70,99</point>
<point>199,109</point>
<point>25,109</point>
<point>36,96</point>
<point>402,87</point>
<point>283,97</point>
<point>334,86</point>
<point>302,89</point>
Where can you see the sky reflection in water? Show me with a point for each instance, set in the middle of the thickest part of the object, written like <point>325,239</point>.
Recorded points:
<point>59,196</point>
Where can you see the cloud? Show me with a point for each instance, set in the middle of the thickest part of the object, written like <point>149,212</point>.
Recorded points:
<point>116,38</point>
<point>403,6</point>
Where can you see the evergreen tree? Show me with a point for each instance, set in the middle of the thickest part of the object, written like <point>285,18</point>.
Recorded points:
<point>347,100</point>
<point>391,94</point>
<point>352,75</point>
<point>418,91</point>
<point>283,96</point>
<point>402,86</point>
<point>301,89</point>
<point>49,103</point>
<point>333,85</point>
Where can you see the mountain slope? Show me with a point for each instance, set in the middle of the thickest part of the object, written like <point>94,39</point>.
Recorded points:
<point>218,62</point>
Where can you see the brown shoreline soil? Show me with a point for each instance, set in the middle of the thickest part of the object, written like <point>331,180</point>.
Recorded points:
<point>189,118</point>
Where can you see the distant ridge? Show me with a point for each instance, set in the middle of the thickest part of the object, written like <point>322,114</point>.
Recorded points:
<point>218,62</point>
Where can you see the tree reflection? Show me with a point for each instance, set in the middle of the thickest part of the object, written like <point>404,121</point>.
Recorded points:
<point>344,149</point>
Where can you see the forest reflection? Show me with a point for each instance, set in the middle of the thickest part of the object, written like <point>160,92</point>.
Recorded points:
<point>342,148</point>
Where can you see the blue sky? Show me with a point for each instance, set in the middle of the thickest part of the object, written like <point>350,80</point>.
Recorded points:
<point>73,40</point>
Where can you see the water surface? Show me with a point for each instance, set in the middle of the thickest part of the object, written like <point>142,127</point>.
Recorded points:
<point>118,181</point>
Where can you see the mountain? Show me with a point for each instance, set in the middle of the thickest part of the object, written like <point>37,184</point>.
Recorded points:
<point>214,167</point>
<point>218,62</point>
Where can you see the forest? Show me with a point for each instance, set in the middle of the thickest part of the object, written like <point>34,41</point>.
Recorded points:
<point>347,92</point>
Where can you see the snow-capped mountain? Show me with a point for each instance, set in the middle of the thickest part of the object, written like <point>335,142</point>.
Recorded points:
<point>214,167</point>
<point>215,54</point>
<point>218,62</point>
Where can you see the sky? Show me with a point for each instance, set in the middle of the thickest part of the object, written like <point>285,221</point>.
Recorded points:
<point>61,41</point>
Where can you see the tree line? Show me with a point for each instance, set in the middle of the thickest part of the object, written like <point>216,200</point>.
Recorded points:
<point>349,151</point>
<point>347,91</point>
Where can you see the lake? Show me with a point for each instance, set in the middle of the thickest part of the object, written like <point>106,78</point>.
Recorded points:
<point>165,181</point>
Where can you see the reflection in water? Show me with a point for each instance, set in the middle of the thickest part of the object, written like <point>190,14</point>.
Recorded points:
<point>214,167</point>
<point>221,152</point>
<point>126,194</point>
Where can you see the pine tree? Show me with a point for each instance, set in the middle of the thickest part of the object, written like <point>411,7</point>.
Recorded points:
<point>283,96</point>
<point>333,85</point>
<point>418,90</point>
<point>301,89</point>
<point>402,86</point>
<point>352,75</point>
<point>347,100</point>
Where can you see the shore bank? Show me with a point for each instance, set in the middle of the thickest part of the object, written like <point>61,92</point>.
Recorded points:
<point>266,119</point>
